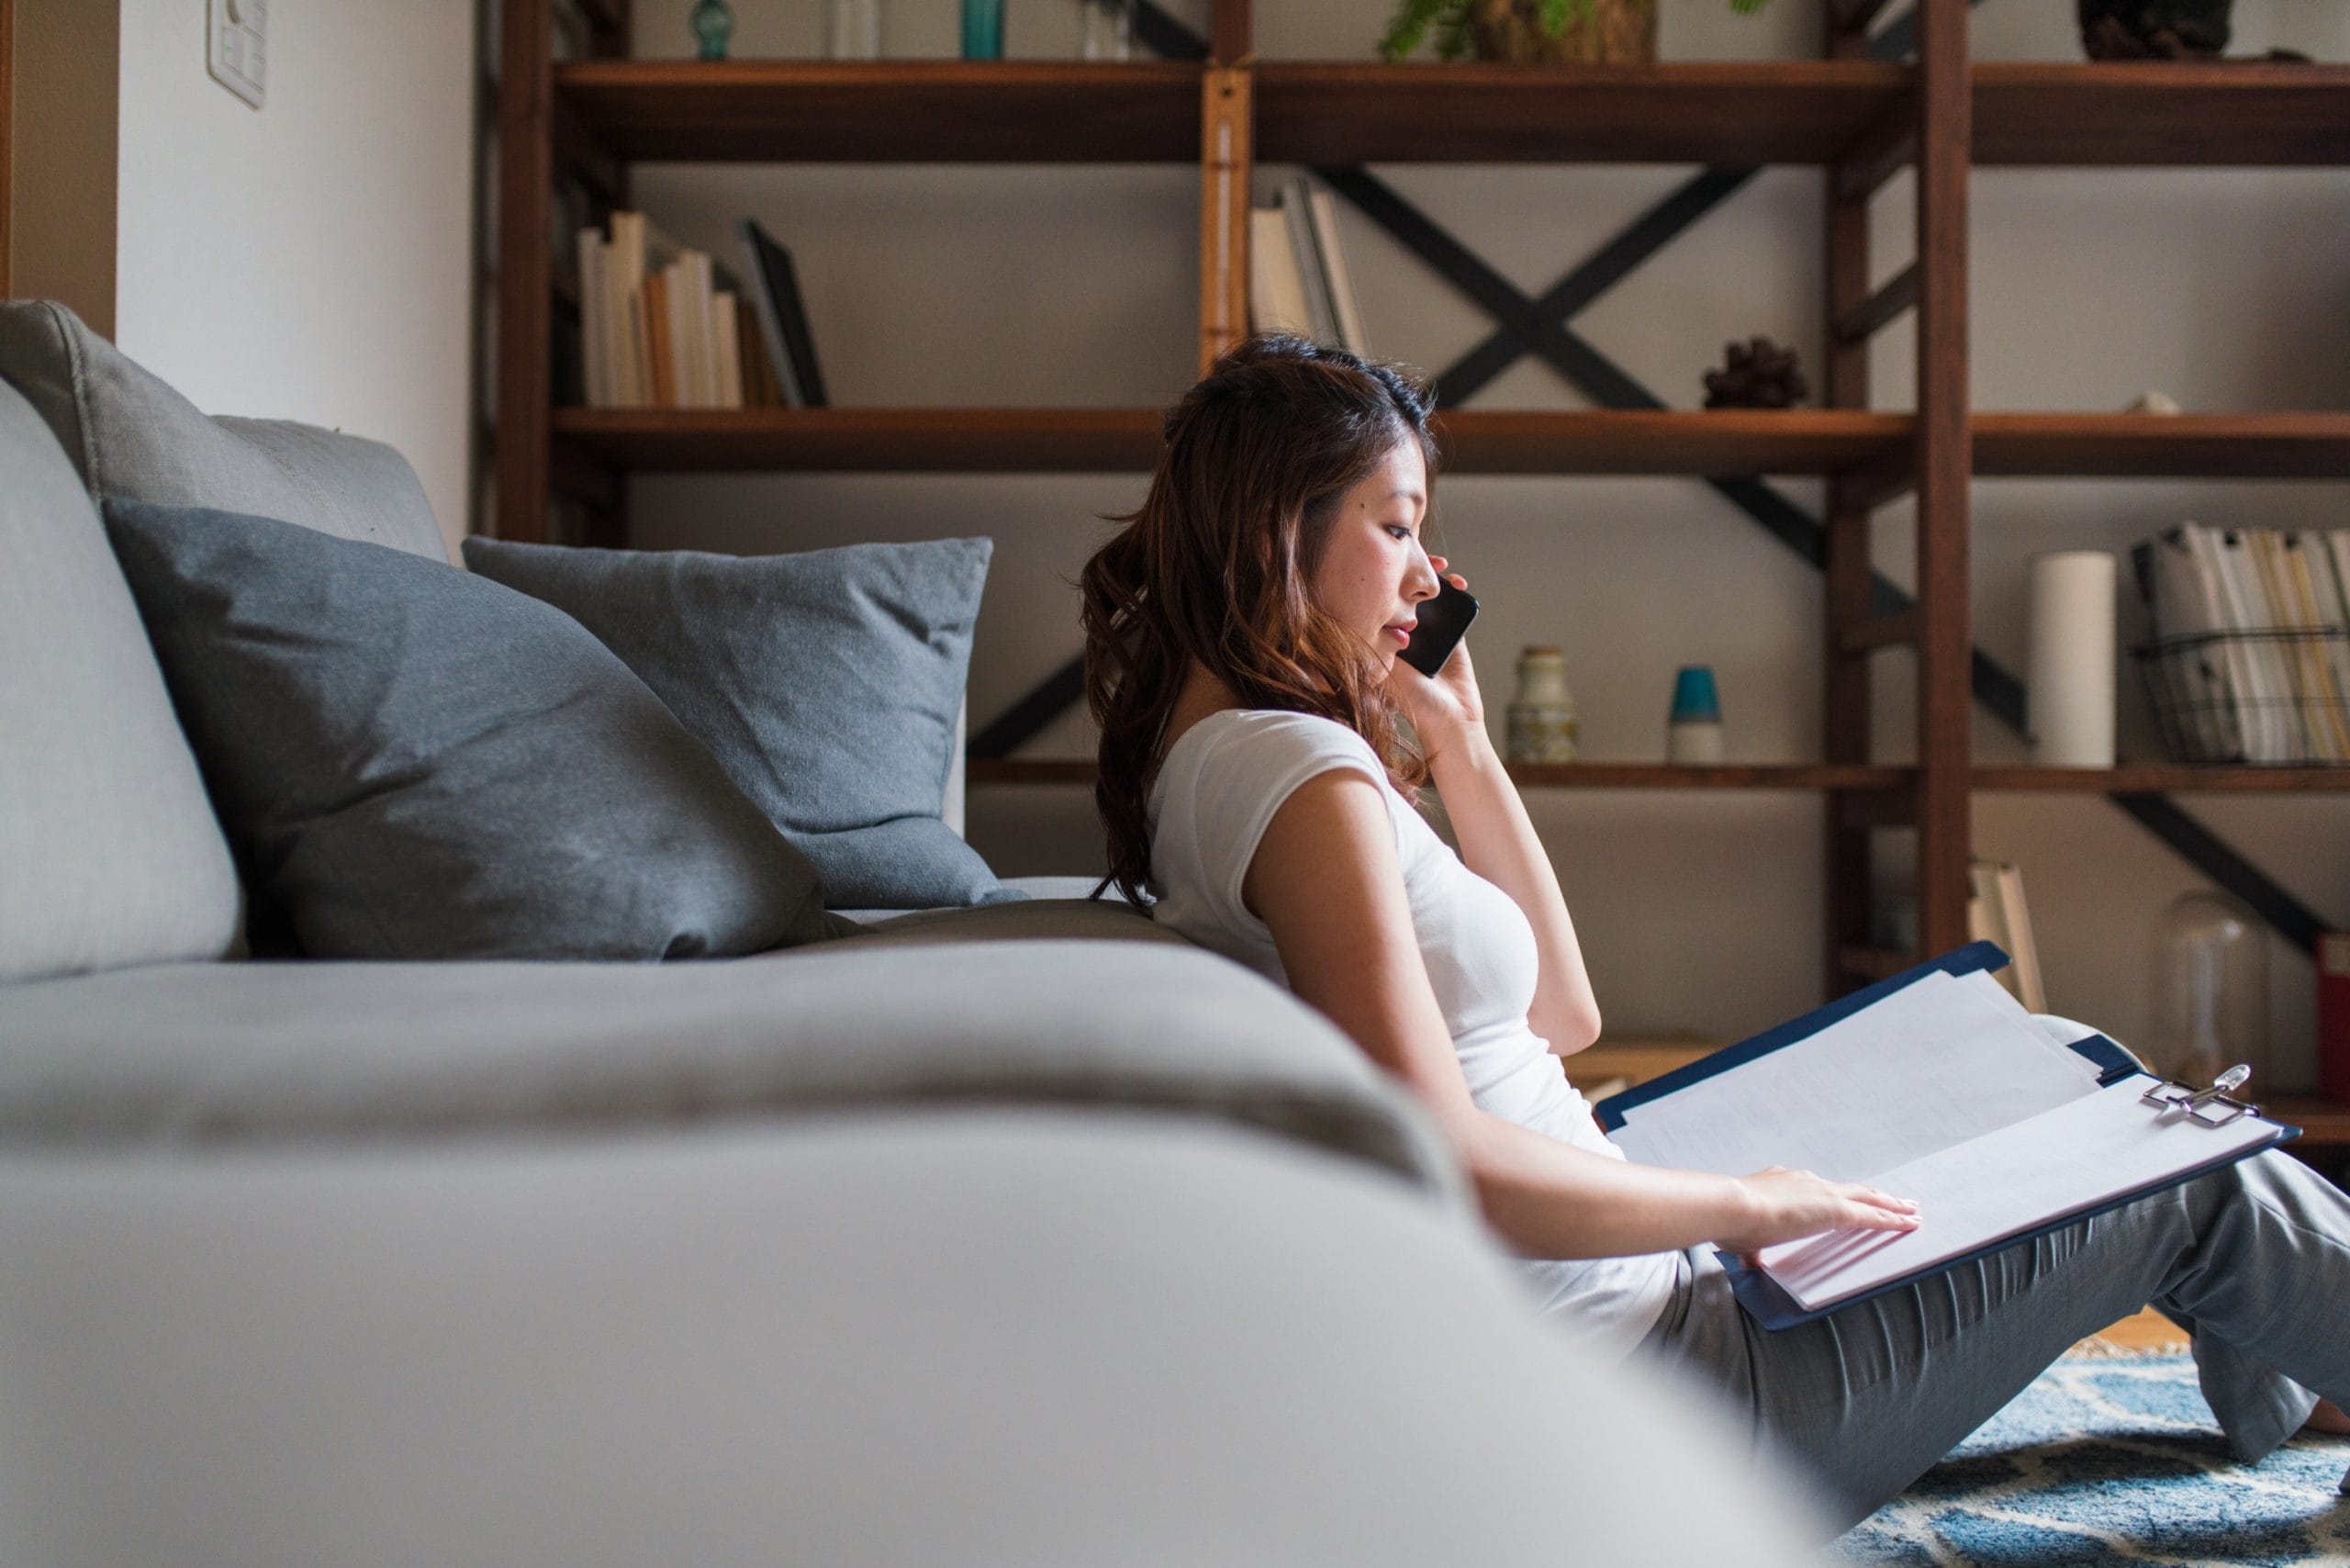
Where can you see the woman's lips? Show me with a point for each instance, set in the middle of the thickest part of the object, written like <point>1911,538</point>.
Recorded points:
<point>1403,635</point>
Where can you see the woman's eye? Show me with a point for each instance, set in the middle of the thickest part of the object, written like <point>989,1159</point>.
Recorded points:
<point>1399,530</point>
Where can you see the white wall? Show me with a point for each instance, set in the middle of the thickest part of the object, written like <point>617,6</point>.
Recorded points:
<point>313,259</point>
<point>1699,912</point>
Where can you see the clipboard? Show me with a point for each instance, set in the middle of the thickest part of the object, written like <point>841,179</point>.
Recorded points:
<point>1773,1306</point>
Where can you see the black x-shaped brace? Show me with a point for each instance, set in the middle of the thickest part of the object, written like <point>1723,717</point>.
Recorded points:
<point>1538,327</point>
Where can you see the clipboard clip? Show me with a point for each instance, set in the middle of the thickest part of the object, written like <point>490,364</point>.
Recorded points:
<point>2212,1107</point>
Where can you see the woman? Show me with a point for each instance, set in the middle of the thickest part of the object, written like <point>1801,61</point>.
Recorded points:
<point>1241,634</point>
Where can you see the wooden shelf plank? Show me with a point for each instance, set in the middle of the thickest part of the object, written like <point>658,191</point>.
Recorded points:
<point>1128,440</point>
<point>1493,112</point>
<point>1718,443</point>
<point>1536,776</point>
<point>2168,780</point>
<point>1346,112</point>
<point>2158,113</point>
<point>2323,1123</point>
<point>926,111</point>
<point>2221,446</point>
<point>1023,440</point>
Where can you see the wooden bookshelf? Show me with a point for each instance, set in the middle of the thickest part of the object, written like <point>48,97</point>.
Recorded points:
<point>1857,120</point>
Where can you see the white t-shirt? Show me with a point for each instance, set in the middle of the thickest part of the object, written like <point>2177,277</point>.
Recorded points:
<point>1217,791</point>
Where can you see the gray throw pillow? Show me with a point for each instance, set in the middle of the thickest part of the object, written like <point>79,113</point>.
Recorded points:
<point>826,683</point>
<point>416,763</point>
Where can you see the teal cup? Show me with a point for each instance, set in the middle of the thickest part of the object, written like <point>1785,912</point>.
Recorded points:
<point>1695,700</point>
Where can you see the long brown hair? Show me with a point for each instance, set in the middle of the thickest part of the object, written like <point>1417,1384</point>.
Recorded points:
<point>1215,565</point>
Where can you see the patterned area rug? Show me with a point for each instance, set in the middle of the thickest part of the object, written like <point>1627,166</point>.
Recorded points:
<point>2112,1458</point>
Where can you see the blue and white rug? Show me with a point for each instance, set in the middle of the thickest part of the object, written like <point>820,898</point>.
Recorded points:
<point>2112,1459</point>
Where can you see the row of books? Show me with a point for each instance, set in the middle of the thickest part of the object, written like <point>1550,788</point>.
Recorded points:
<point>1995,913</point>
<point>1297,274</point>
<point>2254,626</point>
<point>665,326</point>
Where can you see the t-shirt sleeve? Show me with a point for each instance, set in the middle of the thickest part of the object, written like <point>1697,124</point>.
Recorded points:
<point>1255,769</point>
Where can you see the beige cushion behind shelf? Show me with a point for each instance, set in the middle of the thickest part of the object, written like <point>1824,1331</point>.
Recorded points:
<point>110,852</point>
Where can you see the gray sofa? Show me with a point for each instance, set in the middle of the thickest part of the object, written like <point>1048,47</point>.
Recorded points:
<point>1023,1233</point>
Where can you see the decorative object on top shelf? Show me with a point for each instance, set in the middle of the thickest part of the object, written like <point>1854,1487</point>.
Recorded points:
<point>714,25</point>
<point>1693,733</point>
<point>1756,373</point>
<point>853,30</point>
<point>2154,29</point>
<point>1591,32</point>
<point>2154,401</point>
<point>1105,29</point>
<point>1542,721</point>
<point>2210,965</point>
<point>2069,667</point>
<point>983,29</point>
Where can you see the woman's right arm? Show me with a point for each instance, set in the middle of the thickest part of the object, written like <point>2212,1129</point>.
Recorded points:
<point>1327,885</point>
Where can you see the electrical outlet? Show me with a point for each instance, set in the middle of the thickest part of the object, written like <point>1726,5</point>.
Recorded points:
<point>236,49</point>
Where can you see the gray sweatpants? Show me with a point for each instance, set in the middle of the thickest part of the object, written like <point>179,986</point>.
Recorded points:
<point>2253,1260</point>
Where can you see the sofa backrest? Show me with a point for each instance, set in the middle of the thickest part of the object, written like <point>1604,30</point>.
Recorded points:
<point>110,852</point>
<point>110,855</point>
<point>133,438</point>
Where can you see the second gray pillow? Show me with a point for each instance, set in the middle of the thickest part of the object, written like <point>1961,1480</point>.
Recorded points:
<point>826,683</point>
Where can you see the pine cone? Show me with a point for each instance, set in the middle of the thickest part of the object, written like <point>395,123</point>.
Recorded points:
<point>1757,374</point>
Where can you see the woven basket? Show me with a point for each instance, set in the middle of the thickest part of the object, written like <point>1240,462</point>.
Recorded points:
<point>1612,32</point>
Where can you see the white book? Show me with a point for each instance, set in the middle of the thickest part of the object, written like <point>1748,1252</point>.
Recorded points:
<point>724,329</point>
<point>588,273</point>
<point>1297,208</point>
<point>2309,576</point>
<point>1334,263</point>
<point>638,250</point>
<point>2251,720</point>
<point>1938,1086</point>
<point>2182,600</point>
<point>2262,740</point>
<point>2272,677</point>
<point>1275,298</point>
<point>2337,544</point>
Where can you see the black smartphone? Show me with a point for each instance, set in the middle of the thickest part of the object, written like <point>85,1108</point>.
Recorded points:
<point>1443,621</point>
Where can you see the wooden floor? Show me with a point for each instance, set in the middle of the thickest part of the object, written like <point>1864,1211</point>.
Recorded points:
<point>2147,1330</point>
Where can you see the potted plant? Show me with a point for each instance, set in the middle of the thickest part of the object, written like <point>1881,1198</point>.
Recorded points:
<point>1598,32</point>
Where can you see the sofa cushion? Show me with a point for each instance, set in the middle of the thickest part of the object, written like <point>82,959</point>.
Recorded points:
<point>132,437</point>
<point>827,683</point>
<point>415,762</point>
<point>109,853</point>
<point>275,1052</point>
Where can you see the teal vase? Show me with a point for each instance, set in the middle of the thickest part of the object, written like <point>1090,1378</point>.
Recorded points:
<point>983,29</point>
<point>714,25</point>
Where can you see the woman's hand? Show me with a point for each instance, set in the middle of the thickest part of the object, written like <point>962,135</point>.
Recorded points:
<point>1783,1204</point>
<point>1446,707</point>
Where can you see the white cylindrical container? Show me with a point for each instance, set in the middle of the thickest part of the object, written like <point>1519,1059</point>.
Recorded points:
<point>2070,667</point>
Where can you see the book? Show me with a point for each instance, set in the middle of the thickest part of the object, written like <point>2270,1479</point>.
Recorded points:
<point>725,349</point>
<point>588,273</point>
<point>1276,295</point>
<point>639,251</point>
<point>1934,1085</point>
<point>2323,689</point>
<point>2183,602</point>
<point>783,317</point>
<point>1995,913</point>
<point>1297,208</point>
<point>1341,282</point>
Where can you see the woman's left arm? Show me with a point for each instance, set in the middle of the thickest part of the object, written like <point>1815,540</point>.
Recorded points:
<point>1497,838</point>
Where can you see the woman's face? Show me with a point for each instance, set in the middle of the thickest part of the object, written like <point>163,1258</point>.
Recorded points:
<point>1373,573</point>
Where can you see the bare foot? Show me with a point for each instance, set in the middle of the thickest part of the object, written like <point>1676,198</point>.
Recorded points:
<point>2328,1418</point>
